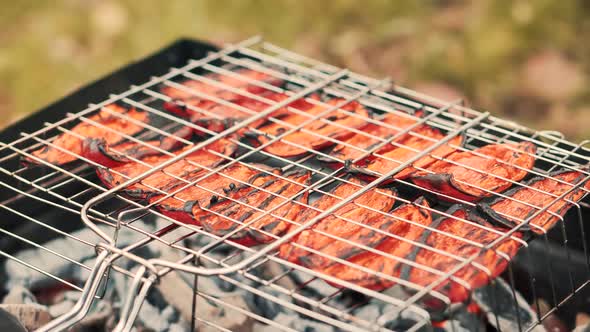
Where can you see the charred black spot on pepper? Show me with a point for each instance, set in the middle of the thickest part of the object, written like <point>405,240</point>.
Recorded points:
<point>213,200</point>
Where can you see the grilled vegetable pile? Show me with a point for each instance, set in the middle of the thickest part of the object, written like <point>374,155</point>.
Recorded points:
<point>382,237</point>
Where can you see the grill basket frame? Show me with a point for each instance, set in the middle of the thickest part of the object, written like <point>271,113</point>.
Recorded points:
<point>186,58</point>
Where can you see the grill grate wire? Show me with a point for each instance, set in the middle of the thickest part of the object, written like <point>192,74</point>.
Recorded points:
<point>96,205</point>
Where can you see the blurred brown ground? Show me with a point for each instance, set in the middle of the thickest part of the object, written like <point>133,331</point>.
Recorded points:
<point>525,60</point>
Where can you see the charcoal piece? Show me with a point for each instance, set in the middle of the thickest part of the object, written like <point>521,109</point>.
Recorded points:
<point>158,320</point>
<point>462,320</point>
<point>101,313</point>
<point>496,300</point>
<point>8,322</point>
<point>314,289</point>
<point>269,308</point>
<point>375,309</point>
<point>61,308</point>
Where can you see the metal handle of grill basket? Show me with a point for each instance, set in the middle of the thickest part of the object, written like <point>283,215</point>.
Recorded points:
<point>82,307</point>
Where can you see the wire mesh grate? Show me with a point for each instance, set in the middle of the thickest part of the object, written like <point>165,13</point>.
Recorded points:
<point>220,80</point>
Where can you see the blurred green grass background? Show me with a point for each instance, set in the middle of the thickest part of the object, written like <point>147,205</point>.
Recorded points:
<point>525,60</point>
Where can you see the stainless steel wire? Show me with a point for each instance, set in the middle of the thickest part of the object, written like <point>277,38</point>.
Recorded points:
<point>301,77</point>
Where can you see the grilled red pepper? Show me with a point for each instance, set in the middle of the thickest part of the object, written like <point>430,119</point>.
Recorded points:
<point>407,225</point>
<point>524,201</point>
<point>225,183</point>
<point>73,141</point>
<point>225,215</point>
<point>97,149</point>
<point>405,149</point>
<point>352,234</point>
<point>218,117</point>
<point>471,177</point>
<point>245,79</point>
<point>458,238</point>
<point>362,143</point>
<point>186,168</point>
<point>333,125</point>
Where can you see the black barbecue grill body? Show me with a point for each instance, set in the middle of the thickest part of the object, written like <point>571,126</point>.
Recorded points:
<point>178,54</point>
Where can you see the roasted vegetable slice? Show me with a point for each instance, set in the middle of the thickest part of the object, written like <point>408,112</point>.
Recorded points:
<point>97,149</point>
<point>333,125</point>
<point>215,116</point>
<point>245,80</point>
<point>226,215</point>
<point>459,240</point>
<point>353,234</point>
<point>362,143</point>
<point>72,142</point>
<point>465,175</point>
<point>225,183</point>
<point>218,117</point>
<point>404,150</point>
<point>187,168</point>
<point>536,194</point>
<point>408,223</point>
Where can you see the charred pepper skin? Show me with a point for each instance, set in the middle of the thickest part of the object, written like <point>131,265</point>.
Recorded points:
<point>186,203</point>
<point>215,117</point>
<point>380,200</point>
<point>224,215</point>
<point>494,260</point>
<point>453,180</point>
<point>397,153</point>
<point>73,141</point>
<point>356,145</point>
<point>99,151</point>
<point>418,212</point>
<point>523,201</point>
<point>333,127</point>
<point>197,100</point>
<point>187,168</point>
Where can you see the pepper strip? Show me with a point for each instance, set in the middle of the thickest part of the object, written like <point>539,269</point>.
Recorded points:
<point>510,212</point>
<point>475,277</point>
<point>404,150</point>
<point>450,176</point>
<point>416,212</point>
<point>225,183</point>
<point>72,141</point>
<point>187,168</point>
<point>340,228</point>
<point>319,128</point>
<point>365,143</point>
<point>226,211</point>
<point>98,150</point>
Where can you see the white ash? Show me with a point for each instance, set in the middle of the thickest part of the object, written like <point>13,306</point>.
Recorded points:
<point>154,313</point>
<point>19,274</point>
<point>161,312</point>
